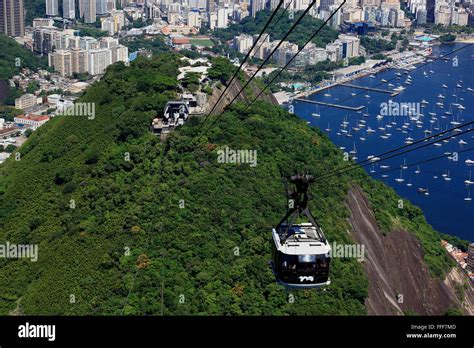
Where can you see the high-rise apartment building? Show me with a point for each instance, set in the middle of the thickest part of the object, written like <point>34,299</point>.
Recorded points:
<point>52,7</point>
<point>12,17</point>
<point>90,11</point>
<point>69,9</point>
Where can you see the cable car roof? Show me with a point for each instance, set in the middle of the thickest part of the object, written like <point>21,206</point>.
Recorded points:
<point>302,240</point>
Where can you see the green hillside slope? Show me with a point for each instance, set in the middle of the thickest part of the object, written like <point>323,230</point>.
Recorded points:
<point>113,232</point>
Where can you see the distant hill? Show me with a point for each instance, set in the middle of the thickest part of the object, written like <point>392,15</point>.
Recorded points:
<point>308,25</point>
<point>35,9</point>
<point>117,214</point>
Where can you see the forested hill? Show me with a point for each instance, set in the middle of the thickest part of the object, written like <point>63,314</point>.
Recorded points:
<point>14,57</point>
<point>117,214</point>
<point>308,25</point>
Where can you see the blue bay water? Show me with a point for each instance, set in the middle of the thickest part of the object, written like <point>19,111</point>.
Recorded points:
<point>445,207</point>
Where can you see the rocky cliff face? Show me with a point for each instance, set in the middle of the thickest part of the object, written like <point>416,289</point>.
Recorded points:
<point>232,92</point>
<point>399,280</point>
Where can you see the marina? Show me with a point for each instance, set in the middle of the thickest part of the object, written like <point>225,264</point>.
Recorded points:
<point>371,89</point>
<point>337,106</point>
<point>440,188</point>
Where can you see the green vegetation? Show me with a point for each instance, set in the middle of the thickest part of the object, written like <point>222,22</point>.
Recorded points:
<point>83,77</point>
<point>438,29</point>
<point>311,73</point>
<point>222,70</point>
<point>14,57</point>
<point>375,46</point>
<point>456,241</point>
<point>201,42</point>
<point>191,81</point>
<point>9,112</point>
<point>156,45</point>
<point>91,31</point>
<point>179,212</point>
<point>445,38</point>
<point>300,35</point>
<point>357,60</point>
<point>34,9</point>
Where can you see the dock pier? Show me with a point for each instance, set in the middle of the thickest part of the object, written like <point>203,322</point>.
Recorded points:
<point>351,108</point>
<point>379,90</point>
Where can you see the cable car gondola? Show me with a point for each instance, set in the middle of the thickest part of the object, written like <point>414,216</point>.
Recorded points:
<point>301,253</point>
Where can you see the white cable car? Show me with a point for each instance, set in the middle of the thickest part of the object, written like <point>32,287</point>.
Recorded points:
<point>301,253</point>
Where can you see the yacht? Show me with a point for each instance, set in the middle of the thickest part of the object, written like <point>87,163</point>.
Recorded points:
<point>468,198</point>
<point>469,181</point>
<point>447,177</point>
<point>423,191</point>
<point>400,179</point>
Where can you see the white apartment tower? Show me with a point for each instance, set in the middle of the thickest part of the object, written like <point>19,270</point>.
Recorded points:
<point>99,60</point>
<point>52,8</point>
<point>69,9</point>
<point>90,11</point>
<point>101,6</point>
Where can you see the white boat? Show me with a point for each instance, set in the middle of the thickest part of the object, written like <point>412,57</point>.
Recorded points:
<point>400,179</point>
<point>447,177</point>
<point>469,181</point>
<point>373,158</point>
<point>462,142</point>
<point>469,162</point>
<point>385,166</point>
<point>370,130</point>
<point>468,198</point>
<point>384,176</point>
<point>315,114</point>
<point>404,166</point>
<point>354,150</point>
<point>327,94</point>
<point>399,89</point>
<point>328,129</point>
<point>444,86</point>
<point>417,171</point>
<point>409,183</point>
<point>423,191</point>
<point>441,96</point>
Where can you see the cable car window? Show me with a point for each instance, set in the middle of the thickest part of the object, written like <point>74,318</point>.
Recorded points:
<point>306,258</point>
